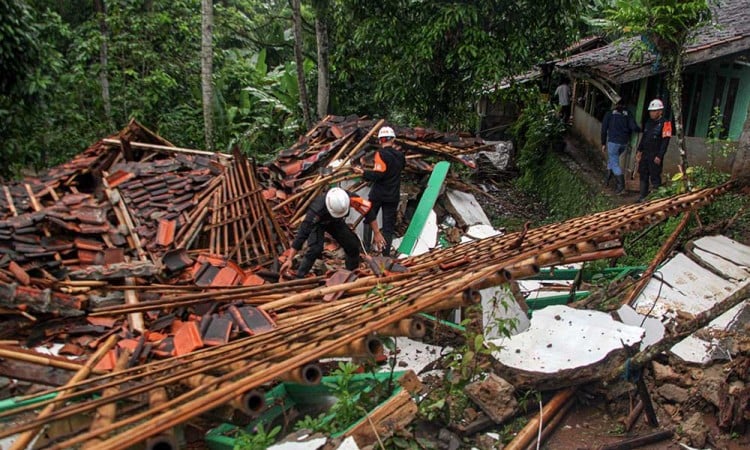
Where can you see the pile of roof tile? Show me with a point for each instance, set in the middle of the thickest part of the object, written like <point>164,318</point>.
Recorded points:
<point>132,210</point>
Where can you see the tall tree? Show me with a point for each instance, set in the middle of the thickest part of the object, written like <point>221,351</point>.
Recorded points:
<point>207,52</point>
<point>429,61</point>
<point>321,35</point>
<point>101,12</point>
<point>665,26</point>
<point>299,60</point>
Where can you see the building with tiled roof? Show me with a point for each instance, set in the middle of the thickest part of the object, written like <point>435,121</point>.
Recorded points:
<point>716,75</point>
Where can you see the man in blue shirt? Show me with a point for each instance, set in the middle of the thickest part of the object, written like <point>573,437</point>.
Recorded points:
<point>617,127</point>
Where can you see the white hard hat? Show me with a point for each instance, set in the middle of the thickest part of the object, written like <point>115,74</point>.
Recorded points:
<point>386,132</point>
<point>655,105</point>
<point>337,202</point>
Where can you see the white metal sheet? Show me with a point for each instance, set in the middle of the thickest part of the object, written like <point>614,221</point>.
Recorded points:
<point>726,248</point>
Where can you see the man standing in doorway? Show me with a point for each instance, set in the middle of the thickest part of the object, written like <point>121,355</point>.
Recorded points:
<point>653,147</point>
<point>386,183</point>
<point>563,99</point>
<point>617,127</point>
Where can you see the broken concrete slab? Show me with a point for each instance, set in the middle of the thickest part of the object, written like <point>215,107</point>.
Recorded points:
<point>564,346</point>
<point>465,208</point>
<point>681,285</point>
<point>481,231</point>
<point>654,328</point>
<point>500,309</point>
<point>701,351</point>
<point>726,248</point>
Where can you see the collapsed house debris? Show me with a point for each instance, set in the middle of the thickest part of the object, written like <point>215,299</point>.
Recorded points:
<point>165,263</point>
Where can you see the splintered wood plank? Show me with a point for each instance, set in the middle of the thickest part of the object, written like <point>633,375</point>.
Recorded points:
<point>395,414</point>
<point>9,197</point>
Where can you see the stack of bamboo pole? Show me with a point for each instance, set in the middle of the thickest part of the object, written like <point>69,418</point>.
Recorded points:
<point>308,328</point>
<point>242,226</point>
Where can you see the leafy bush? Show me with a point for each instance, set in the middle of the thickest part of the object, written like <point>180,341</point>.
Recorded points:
<point>538,134</point>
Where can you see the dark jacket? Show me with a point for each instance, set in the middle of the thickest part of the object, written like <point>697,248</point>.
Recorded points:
<point>617,127</point>
<point>317,215</point>
<point>655,139</point>
<point>386,174</point>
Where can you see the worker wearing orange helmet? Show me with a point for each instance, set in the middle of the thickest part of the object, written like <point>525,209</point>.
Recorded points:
<point>653,147</point>
<point>386,186</point>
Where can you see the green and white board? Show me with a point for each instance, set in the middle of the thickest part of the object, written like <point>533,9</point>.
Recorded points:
<point>429,197</point>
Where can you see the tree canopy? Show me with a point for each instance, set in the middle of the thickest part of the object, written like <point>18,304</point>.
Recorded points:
<point>412,61</point>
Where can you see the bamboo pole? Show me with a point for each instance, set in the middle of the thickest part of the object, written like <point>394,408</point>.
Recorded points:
<point>41,360</point>
<point>105,415</point>
<point>135,319</point>
<point>552,424</point>
<point>529,432</point>
<point>166,440</point>
<point>658,258</point>
<point>167,149</point>
<point>24,439</point>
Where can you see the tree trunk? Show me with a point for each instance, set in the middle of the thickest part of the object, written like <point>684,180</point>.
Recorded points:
<point>101,11</point>
<point>675,93</point>
<point>207,62</point>
<point>299,59</point>
<point>321,34</point>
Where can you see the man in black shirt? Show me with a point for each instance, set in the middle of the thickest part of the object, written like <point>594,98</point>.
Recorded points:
<point>617,127</point>
<point>386,185</point>
<point>326,214</point>
<point>653,147</point>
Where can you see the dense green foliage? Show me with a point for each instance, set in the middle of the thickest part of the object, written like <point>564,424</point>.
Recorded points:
<point>154,76</point>
<point>428,61</point>
<point>408,60</point>
<point>538,135</point>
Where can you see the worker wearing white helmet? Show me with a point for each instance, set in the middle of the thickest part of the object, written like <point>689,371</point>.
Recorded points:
<point>653,147</point>
<point>385,193</point>
<point>326,214</point>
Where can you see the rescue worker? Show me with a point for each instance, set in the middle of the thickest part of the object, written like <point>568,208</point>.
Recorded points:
<point>617,127</point>
<point>326,214</point>
<point>386,185</point>
<point>653,147</point>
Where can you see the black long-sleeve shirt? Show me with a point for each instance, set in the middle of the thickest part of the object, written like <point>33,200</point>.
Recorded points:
<point>386,174</point>
<point>317,215</point>
<point>655,140</point>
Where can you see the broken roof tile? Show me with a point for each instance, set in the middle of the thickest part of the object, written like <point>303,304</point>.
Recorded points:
<point>88,244</point>
<point>166,231</point>
<point>19,273</point>
<point>95,215</point>
<point>119,177</point>
<point>251,320</point>
<point>108,361</point>
<point>187,339</point>
<point>218,331</point>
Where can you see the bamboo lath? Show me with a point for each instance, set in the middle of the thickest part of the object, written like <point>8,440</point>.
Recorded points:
<point>308,328</point>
